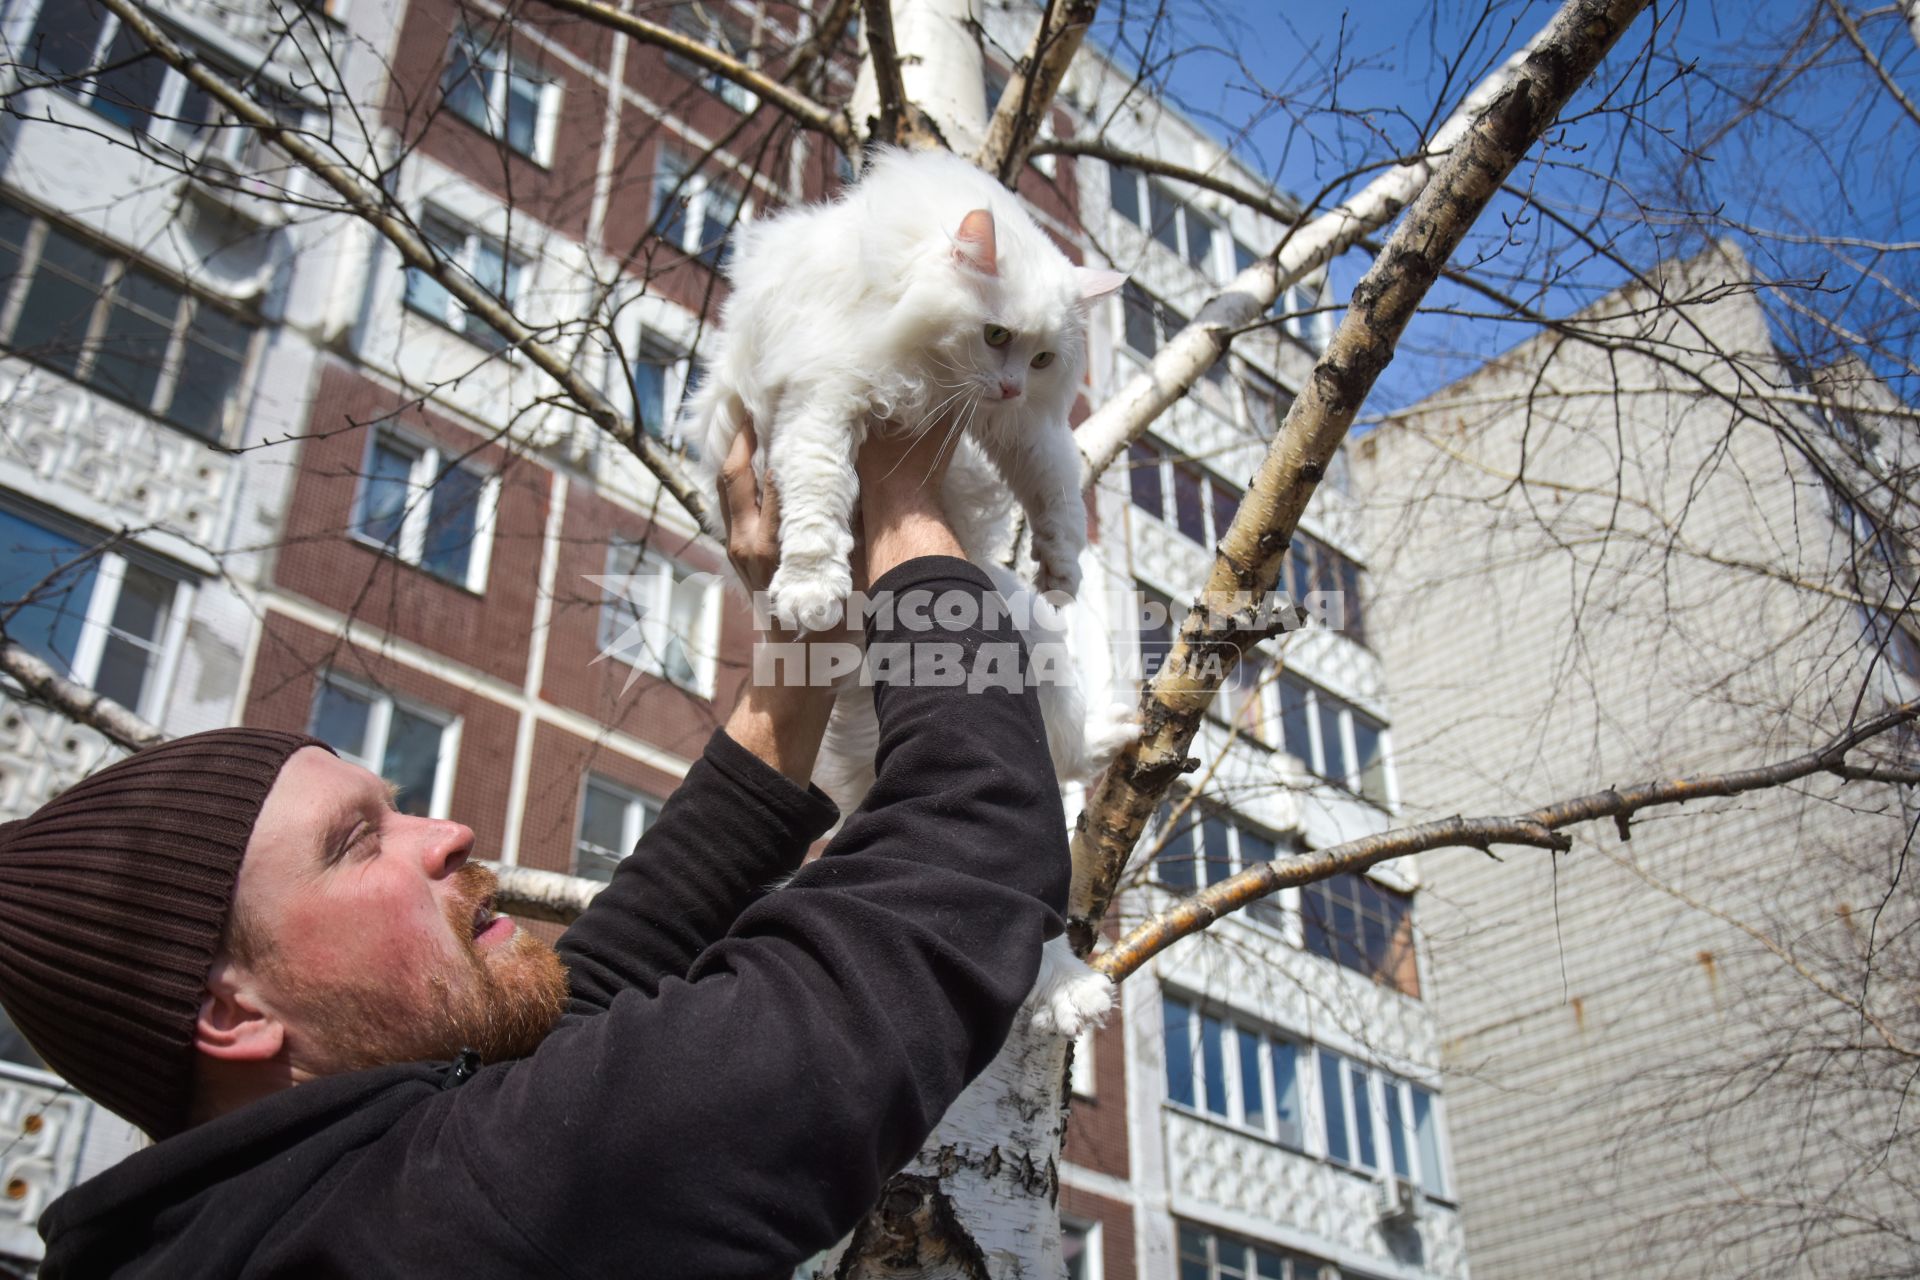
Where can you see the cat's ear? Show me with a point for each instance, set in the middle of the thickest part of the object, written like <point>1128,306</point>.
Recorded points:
<point>1098,282</point>
<point>974,245</point>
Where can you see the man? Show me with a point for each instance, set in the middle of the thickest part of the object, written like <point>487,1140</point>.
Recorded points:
<point>354,1068</point>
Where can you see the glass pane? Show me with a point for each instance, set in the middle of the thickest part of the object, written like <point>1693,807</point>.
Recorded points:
<point>1344,925</point>
<point>1189,513</point>
<point>523,113</point>
<point>1300,569</point>
<point>1226,505</point>
<point>1073,1248</point>
<point>494,271</point>
<point>384,493</point>
<point>1175,862</point>
<point>1253,1091</point>
<point>134,347</point>
<point>1333,747</point>
<point>1155,626</point>
<point>1232,1256</point>
<point>1314,921</point>
<point>465,84</point>
<point>1199,239</point>
<point>141,611</point>
<point>14,1046</point>
<point>1373,761</point>
<point>31,560</point>
<point>1138,312</point>
<point>1193,1269</point>
<point>1396,1129</point>
<point>1143,478</point>
<point>60,302</point>
<point>1426,1127</point>
<point>1335,1104</point>
<point>1269,1266</point>
<point>603,821</point>
<point>1216,850</point>
<point>1213,1063</point>
<point>412,761</point>
<point>1255,849</point>
<point>1286,1090</point>
<point>123,671</point>
<point>340,721</point>
<point>65,37</point>
<point>1193,1243</point>
<point>650,393</point>
<point>721,213</point>
<point>1164,211</point>
<point>1349,583</point>
<point>14,226</point>
<point>1125,187</point>
<point>424,293</point>
<point>1363,1117</point>
<point>1294,729</point>
<point>1242,257</point>
<point>452,518</point>
<point>670,200</point>
<point>128,84</point>
<point>210,373</point>
<point>1173,1015</point>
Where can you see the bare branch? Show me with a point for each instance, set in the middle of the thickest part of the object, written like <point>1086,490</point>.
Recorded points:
<point>543,895</point>
<point>1848,25</point>
<point>40,683</point>
<point>367,201</point>
<point>1030,91</point>
<point>1539,828</point>
<point>900,120</point>
<point>1187,355</point>
<point>796,104</point>
<point>1247,565</point>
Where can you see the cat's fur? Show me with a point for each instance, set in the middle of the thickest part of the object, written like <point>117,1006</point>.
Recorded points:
<point>879,308</point>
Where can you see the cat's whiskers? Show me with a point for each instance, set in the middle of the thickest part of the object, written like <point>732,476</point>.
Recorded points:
<point>960,424</point>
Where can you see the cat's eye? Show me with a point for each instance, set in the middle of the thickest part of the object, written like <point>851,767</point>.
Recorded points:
<point>1042,360</point>
<point>998,335</point>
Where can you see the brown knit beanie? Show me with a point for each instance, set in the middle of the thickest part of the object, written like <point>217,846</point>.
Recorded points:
<point>113,899</point>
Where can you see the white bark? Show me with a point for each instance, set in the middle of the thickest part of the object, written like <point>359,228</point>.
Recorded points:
<point>1190,353</point>
<point>42,684</point>
<point>1912,11</point>
<point>940,66</point>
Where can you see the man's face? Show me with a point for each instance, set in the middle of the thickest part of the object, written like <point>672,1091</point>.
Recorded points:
<point>373,939</point>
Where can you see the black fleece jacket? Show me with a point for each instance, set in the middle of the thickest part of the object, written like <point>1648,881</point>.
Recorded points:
<point>739,1071</point>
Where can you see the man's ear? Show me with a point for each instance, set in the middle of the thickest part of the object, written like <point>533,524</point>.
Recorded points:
<point>235,1025</point>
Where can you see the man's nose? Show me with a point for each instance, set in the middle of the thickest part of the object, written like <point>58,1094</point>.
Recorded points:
<point>447,847</point>
<point>1009,389</point>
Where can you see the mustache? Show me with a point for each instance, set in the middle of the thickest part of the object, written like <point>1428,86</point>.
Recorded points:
<point>474,886</point>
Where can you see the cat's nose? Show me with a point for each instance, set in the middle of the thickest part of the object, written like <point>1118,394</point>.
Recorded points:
<point>1009,390</point>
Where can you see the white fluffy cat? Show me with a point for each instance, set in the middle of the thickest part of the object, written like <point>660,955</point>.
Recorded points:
<point>926,296</point>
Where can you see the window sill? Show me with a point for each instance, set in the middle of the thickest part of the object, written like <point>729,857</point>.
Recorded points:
<point>389,553</point>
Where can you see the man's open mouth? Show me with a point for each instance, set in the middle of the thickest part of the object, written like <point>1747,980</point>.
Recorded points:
<point>487,925</point>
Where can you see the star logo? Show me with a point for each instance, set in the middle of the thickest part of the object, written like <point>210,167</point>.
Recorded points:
<point>645,637</point>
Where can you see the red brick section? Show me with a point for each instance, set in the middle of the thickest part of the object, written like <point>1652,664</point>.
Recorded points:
<point>321,560</point>
<point>652,710</point>
<point>559,195</point>
<point>1097,1126</point>
<point>287,671</point>
<point>1116,1229</point>
<point>556,780</point>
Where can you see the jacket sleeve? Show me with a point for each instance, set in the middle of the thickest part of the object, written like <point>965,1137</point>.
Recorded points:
<point>732,827</point>
<point>739,1120</point>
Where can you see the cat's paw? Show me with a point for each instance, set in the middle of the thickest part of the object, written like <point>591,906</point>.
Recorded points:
<point>1110,732</point>
<point>810,599</point>
<point>1068,996</point>
<point>1058,573</point>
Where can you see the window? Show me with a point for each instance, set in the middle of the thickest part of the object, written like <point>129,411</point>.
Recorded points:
<point>486,262</point>
<point>694,212</point>
<point>112,325</point>
<point>496,94</point>
<point>1379,1123</point>
<point>1299,307</point>
<point>98,617</point>
<point>411,747</point>
<point>1080,1249</point>
<point>81,49</point>
<point>1364,926</point>
<point>14,1047</point>
<point>704,23</point>
<point>612,820</point>
<point>420,504</point>
<point>1312,566</point>
<point>1210,1255</point>
<point>1156,626</point>
<point>660,617</point>
<point>1179,493</point>
<point>1340,743</point>
<point>1147,322</point>
<point>1232,1071</point>
<point>1263,405</point>
<point>1179,226</point>
<point>1205,847</point>
<point>1880,573</point>
<point>658,375</point>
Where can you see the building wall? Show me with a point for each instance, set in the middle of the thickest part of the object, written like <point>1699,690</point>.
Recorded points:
<point>1595,629</point>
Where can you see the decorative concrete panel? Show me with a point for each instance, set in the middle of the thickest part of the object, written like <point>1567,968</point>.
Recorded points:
<point>42,753</point>
<point>41,1126</point>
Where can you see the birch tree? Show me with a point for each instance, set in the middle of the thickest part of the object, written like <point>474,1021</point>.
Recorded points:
<point>979,1201</point>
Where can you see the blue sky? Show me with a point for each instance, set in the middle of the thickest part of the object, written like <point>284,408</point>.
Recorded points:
<point>1307,92</point>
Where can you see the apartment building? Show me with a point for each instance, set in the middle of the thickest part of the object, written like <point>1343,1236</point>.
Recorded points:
<point>327,500</point>
<point>1705,567</point>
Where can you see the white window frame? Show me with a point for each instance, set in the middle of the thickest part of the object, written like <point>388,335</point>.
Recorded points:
<point>1344,713</point>
<point>674,362</point>
<point>411,545</point>
<point>456,316</point>
<point>1196,817</point>
<point>1089,1228</point>
<point>1379,1083</point>
<point>697,187</point>
<point>502,68</point>
<point>1236,1114</point>
<point>380,723</point>
<point>638,814</point>
<point>698,21</point>
<point>703,649</point>
<point>1081,1080</point>
<point>1183,209</point>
